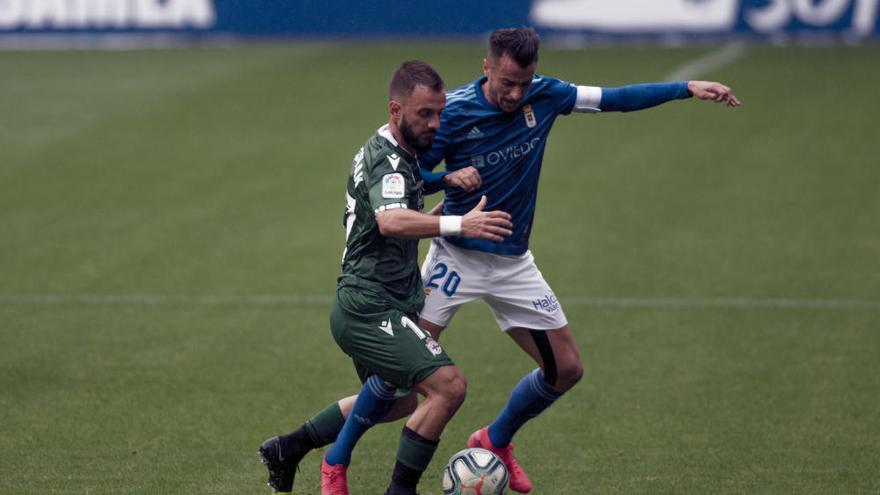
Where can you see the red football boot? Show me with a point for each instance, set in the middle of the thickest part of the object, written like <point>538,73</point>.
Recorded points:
<point>333,480</point>
<point>519,480</point>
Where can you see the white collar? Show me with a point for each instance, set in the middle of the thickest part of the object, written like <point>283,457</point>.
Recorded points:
<point>385,132</point>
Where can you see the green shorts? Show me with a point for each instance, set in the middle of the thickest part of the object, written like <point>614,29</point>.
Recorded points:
<point>384,341</point>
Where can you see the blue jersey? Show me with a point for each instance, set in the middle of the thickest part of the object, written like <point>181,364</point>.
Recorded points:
<point>506,148</point>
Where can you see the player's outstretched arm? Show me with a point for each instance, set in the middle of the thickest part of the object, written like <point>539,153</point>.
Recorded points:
<point>710,90</point>
<point>476,224</point>
<point>635,97</point>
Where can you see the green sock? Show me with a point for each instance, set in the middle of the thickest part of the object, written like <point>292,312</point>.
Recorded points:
<point>414,453</point>
<point>325,425</point>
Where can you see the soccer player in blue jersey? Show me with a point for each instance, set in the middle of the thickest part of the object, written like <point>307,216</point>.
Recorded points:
<point>492,138</point>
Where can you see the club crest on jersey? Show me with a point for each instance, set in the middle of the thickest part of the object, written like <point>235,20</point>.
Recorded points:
<point>433,346</point>
<point>393,186</point>
<point>531,121</point>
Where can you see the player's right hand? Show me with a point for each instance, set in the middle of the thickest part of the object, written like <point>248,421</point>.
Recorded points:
<point>467,178</point>
<point>711,90</point>
<point>491,225</point>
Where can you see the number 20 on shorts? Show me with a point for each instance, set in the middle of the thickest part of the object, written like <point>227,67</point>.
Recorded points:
<point>449,278</point>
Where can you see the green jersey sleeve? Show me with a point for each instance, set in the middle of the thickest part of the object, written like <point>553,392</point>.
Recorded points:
<point>391,183</point>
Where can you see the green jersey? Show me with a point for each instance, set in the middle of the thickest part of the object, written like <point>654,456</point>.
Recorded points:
<point>382,269</point>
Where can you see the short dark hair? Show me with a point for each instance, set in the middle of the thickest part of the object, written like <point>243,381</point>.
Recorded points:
<point>409,75</point>
<point>521,44</point>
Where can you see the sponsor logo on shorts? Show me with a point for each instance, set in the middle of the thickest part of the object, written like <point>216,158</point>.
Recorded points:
<point>433,346</point>
<point>548,303</point>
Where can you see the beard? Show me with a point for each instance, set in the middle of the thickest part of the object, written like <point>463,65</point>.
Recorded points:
<point>506,105</point>
<point>421,143</point>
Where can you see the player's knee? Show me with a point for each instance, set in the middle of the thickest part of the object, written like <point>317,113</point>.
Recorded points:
<point>454,390</point>
<point>569,374</point>
<point>457,390</point>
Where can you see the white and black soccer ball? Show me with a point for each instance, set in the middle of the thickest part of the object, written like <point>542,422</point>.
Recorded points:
<point>474,472</point>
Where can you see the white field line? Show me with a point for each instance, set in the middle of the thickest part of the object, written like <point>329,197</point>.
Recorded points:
<point>701,66</point>
<point>324,300</point>
<point>722,302</point>
<point>164,300</point>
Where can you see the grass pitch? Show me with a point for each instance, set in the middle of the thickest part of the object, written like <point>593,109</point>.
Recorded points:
<point>170,234</point>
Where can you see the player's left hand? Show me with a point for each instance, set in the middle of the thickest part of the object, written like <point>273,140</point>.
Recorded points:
<point>709,90</point>
<point>467,178</point>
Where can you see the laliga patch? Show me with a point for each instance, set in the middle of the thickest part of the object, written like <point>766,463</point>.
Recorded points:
<point>433,346</point>
<point>531,121</point>
<point>393,186</point>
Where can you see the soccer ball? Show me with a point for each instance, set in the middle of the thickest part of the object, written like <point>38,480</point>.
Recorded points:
<point>474,472</point>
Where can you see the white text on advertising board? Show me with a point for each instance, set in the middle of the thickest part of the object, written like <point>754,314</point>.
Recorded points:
<point>106,14</point>
<point>768,16</point>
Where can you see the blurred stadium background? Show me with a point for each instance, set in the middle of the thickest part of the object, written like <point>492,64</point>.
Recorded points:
<point>170,233</point>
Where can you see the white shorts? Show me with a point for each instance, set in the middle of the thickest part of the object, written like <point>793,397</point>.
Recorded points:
<point>512,286</point>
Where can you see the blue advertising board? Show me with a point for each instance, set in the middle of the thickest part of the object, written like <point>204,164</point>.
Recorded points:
<point>387,18</point>
<point>851,18</point>
<point>260,17</point>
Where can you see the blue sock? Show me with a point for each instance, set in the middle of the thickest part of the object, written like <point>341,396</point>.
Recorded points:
<point>373,403</point>
<point>530,396</point>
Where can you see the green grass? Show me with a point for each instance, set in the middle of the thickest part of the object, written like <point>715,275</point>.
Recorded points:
<point>199,173</point>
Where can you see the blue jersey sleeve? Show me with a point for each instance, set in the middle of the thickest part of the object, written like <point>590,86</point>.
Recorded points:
<point>429,161</point>
<point>563,94</point>
<point>641,96</point>
<point>433,181</point>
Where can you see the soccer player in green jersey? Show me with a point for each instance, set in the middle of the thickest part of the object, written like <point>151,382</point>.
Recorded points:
<point>492,140</point>
<point>379,296</point>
